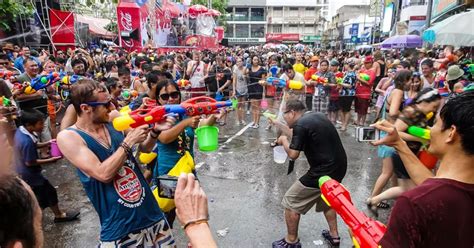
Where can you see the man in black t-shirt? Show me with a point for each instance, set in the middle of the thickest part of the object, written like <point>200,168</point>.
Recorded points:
<point>314,134</point>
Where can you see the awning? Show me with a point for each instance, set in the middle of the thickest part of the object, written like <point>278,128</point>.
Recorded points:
<point>96,26</point>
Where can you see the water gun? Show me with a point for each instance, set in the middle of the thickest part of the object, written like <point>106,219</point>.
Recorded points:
<point>146,158</point>
<point>339,77</point>
<point>274,71</point>
<point>4,101</point>
<point>419,132</point>
<point>202,105</point>
<point>282,83</point>
<point>183,83</point>
<point>364,76</point>
<point>128,94</point>
<point>320,80</point>
<point>5,74</point>
<point>270,115</point>
<point>41,82</point>
<point>366,232</point>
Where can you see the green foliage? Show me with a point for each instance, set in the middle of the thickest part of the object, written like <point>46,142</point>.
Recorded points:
<point>219,5</point>
<point>112,27</point>
<point>10,10</point>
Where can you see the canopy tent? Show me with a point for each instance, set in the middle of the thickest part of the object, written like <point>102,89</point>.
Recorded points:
<point>456,30</point>
<point>403,41</point>
<point>96,26</point>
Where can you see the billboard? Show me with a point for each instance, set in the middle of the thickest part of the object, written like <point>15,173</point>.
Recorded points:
<point>387,18</point>
<point>442,6</point>
<point>415,25</point>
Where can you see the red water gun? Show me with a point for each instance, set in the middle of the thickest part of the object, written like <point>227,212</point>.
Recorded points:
<point>319,79</point>
<point>183,83</point>
<point>202,105</point>
<point>339,77</point>
<point>5,74</point>
<point>366,232</point>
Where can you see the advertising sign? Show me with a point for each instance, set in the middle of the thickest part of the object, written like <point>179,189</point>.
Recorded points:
<point>442,6</point>
<point>416,24</point>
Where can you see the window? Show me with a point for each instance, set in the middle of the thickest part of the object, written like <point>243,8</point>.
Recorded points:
<point>241,14</point>
<point>310,9</point>
<point>229,32</point>
<point>308,29</point>
<point>319,2</point>
<point>229,14</point>
<point>257,30</point>
<point>325,1</point>
<point>278,12</point>
<point>293,12</point>
<point>257,14</point>
<point>325,7</point>
<point>293,29</point>
<point>293,9</point>
<point>277,29</point>
<point>242,30</point>
<point>277,8</point>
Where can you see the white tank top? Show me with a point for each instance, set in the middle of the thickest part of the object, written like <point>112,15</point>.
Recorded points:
<point>197,76</point>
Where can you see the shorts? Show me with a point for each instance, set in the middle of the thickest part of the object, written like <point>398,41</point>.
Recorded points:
<point>201,91</point>
<point>399,167</point>
<point>46,194</point>
<point>301,199</point>
<point>157,235</point>
<point>320,104</point>
<point>333,106</point>
<point>361,106</point>
<point>345,103</point>
<point>384,151</point>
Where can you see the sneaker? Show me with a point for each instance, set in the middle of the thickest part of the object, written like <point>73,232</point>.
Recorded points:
<point>243,123</point>
<point>269,127</point>
<point>282,243</point>
<point>255,126</point>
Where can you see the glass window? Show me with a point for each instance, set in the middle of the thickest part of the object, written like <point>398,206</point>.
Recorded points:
<point>277,8</point>
<point>257,30</point>
<point>257,14</point>
<point>242,30</point>
<point>277,29</point>
<point>308,29</point>
<point>229,14</point>
<point>293,9</point>
<point>229,32</point>
<point>310,8</point>
<point>293,29</point>
<point>241,14</point>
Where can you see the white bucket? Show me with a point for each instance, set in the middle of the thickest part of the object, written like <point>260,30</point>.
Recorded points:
<point>279,154</point>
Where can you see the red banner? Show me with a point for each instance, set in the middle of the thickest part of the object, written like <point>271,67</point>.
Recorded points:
<point>282,37</point>
<point>62,28</point>
<point>129,25</point>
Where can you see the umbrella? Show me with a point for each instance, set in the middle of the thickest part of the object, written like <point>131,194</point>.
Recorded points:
<point>214,12</point>
<point>456,30</point>
<point>403,41</point>
<point>197,9</point>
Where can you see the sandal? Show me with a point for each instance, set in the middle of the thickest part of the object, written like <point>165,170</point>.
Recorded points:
<point>273,144</point>
<point>67,216</point>
<point>282,243</point>
<point>334,241</point>
<point>383,205</point>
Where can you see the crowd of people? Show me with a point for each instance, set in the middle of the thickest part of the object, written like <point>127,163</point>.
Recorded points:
<point>338,91</point>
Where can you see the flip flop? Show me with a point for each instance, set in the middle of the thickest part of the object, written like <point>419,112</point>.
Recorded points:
<point>383,205</point>
<point>70,216</point>
<point>334,241</point>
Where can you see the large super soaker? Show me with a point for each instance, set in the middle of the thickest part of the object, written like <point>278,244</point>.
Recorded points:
<point>41,82</point>
<point>366,232</point>
<point>202,105</point>
<point>282,83</point>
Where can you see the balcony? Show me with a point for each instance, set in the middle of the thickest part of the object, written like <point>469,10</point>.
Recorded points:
<point>257,18</point>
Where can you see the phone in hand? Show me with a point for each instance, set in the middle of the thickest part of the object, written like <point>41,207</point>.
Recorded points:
<point>167,186</point>
<point>365,134</point>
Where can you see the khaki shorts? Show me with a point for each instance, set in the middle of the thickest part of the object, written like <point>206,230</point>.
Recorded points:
<point>301,199</point>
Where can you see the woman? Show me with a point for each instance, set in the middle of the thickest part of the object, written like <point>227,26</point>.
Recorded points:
<point>416,114</point>
<point>174,142</point>
<point>382,88</point>
<point>380,67</point>
<point>414,88</point>
<point>257,75</point>
<point>271,91</point>
<point>391,108</point>
<point>239,89</point>
<point>321,91</point>
<point>347,94</point>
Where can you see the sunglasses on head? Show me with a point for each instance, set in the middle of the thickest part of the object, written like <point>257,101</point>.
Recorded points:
<point>95,104</point>
<point>166,96</point>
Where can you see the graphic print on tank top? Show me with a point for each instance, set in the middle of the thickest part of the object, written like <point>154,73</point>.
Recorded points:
<point>128,186</point>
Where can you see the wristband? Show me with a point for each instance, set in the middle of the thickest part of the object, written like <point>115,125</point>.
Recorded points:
<point>194,222</point>
<point>156,133</point>
<point>126,148</point>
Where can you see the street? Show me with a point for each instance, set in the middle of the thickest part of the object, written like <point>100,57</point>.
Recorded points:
<point>244,187</point>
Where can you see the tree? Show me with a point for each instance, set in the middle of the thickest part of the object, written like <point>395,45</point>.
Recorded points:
<point>10,10</point>
<point>220,5</point>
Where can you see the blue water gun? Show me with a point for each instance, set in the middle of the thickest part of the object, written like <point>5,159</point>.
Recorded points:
<point>274,70</point>
<point>42,82</point>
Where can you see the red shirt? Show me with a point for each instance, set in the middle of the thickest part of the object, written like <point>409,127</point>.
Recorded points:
<point>364,91</point>
<point>307,76</point>
<point>437,213</point>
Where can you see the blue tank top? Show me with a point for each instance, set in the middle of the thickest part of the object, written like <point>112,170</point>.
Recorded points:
<point>124,205</point>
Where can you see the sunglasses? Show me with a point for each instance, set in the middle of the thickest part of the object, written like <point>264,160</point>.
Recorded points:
<point>95,104</point>
<point>166,96</point>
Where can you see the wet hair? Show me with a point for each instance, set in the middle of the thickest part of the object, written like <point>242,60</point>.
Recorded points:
<point>459,112</point>
<point>163,84</point>
<point>405,64</point>
<point>152,78</point>
<point>110,83</point>
<point>147,67</point>
<point>60,60</point>
<point>295,105</point>
<point>401,78</point>
<point>18,209</point>
<point>29,59</point>
<point>109,65</point>
<point>123,71</point>
<point>75,62</point>
<point>378,56</point>
<point>427,62</point>
<point>31,117</point>
<point>287,67</point>
<point>84,91</point>
<point>324,61</point>
<point>140,60</point>
<point>427,95</point>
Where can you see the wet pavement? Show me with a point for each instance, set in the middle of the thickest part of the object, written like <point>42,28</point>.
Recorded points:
<point>244,186</point>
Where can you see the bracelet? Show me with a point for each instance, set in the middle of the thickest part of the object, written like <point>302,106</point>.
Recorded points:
<point>126,148</point>
<point>155,133</point>
<point>194,222</point>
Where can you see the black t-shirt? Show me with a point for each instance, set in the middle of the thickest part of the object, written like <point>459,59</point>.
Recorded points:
<point>218,76</point>
<point>314,134</point>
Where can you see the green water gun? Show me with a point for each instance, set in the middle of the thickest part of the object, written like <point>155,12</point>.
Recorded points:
<point>420,132</point>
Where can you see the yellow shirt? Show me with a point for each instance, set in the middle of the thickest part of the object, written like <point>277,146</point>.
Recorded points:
<point>299,68</point>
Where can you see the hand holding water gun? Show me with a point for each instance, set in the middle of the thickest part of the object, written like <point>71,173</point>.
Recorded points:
<point>41,82</point>
<point>5,74</point>
<point>320,80</point>
<point>282,83</point>
<point>4,101</point>
<point>364,77</point>
<point>419,132</point>
<point>366,232</point>
<point>129,94</point>
<point>339,77</point>
<point>183,83</point>
<point>202,105</point>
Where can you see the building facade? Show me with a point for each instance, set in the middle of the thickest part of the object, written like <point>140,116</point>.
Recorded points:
<point>246,22</point>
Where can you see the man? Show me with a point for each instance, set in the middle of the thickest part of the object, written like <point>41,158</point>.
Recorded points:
<point>129,215</point>
<point>307,76</point>
<point>314,134</point>
<point>196,71</point>
<point>20,214</point>
<point>125,79</point>
<point>289,73</point>
<point>298,66</point>
<point>428,75</point>
<point>152,80</point>
<point>364,90</point>
<point>111,69</point>
<point>28,164</point>
<point>220,78</point>
<point>79,67</point>
<point>438,212</point>
<point>25,54</point>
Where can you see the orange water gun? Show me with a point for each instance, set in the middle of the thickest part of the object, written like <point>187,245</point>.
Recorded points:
<point>183,83</point>
<point>366,232</point>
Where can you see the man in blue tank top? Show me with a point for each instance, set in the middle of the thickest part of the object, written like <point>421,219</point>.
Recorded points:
<point>129,214</point>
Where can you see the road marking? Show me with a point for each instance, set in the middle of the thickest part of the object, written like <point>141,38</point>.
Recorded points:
<point>238,133</point>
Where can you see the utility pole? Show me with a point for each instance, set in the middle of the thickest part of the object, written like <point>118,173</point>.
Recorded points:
<point>428,14</point>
